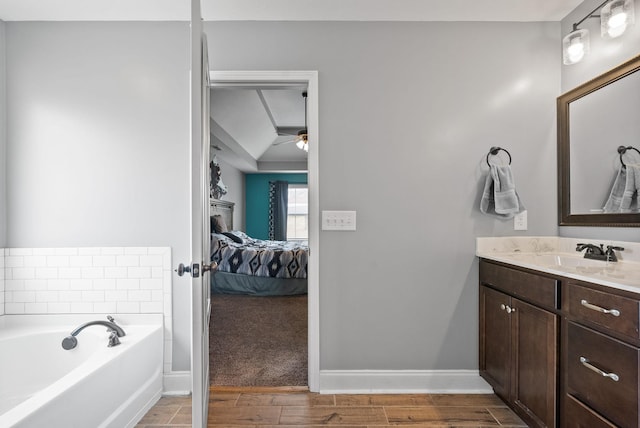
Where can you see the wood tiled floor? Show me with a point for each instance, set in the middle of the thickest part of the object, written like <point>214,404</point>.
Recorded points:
<point>267,409</point>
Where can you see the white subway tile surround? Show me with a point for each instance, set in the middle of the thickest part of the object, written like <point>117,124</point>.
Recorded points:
<point>89,280</point>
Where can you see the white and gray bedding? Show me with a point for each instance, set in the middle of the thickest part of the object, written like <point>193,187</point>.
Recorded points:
<point>256,257</point>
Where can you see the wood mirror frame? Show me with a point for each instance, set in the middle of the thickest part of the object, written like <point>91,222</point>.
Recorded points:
<point>565,217</point>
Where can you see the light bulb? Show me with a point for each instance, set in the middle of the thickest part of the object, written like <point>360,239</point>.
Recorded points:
<point>300,144</point>
<point>616,16</point>
<point>576,50</point>
<point>575,46</point>
<point>617,23</point>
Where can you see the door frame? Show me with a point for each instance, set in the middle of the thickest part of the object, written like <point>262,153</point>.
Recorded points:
<point>310,78</point>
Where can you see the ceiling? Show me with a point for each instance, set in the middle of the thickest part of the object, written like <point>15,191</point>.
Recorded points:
<point>246,123</point>
<point>288,10</point>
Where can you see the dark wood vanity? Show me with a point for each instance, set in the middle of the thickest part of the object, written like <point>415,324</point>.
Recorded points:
<point>560,352</point>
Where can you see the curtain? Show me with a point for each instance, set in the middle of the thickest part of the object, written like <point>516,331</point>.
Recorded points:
<point>278,200</point>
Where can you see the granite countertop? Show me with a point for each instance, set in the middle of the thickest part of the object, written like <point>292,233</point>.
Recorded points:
<point>558,256</point>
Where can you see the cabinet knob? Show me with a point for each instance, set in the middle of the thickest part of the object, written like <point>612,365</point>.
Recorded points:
<point>510,309</point>
<point>503,307</point>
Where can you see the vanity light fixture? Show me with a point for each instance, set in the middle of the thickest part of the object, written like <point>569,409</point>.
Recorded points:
<point>575,46</point>
<point>615,17</point>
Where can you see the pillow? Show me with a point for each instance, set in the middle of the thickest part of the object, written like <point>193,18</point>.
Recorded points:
<point>233,237</point>
<point>217,224</point>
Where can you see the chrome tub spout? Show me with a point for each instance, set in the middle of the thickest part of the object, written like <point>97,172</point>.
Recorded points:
<point>114,330</point>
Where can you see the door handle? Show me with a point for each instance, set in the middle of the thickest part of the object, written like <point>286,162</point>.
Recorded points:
<point>209,267</point>
<point>193,270</point>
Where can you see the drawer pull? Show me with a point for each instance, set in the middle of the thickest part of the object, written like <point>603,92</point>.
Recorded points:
<point>614,312</point>
<point>590,366</point>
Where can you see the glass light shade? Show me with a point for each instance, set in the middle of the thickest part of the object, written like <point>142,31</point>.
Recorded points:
<point>303,144</point>
<point>615,17</point>
<point>575,46</point>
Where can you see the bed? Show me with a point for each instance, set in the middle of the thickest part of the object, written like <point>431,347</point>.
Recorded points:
<point>253,266</point>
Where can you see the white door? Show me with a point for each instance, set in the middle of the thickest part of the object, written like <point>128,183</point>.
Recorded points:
<point>200,302</point>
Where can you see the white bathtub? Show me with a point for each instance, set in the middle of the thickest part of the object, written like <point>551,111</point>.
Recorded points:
<point>92,385</point>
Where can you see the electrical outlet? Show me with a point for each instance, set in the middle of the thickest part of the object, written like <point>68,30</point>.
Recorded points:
<point>520,221</point>
<point>338,220</point>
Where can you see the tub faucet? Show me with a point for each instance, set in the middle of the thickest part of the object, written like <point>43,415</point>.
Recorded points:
<point>114,330</point>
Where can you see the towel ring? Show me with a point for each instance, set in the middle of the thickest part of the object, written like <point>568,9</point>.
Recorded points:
<point>622,150</point>
<point>494,151</point>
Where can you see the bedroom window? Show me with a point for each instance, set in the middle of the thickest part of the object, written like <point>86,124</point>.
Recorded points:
<point>298,213</point>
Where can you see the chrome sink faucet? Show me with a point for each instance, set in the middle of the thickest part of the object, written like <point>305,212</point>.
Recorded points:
<point>599,253</point>
<point>114,330</point>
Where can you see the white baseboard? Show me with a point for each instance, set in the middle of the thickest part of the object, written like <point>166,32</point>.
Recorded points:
<point>176,383</point>
<point>402,382</point>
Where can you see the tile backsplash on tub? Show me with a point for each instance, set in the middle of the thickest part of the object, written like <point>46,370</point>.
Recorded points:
<point>87,280</point>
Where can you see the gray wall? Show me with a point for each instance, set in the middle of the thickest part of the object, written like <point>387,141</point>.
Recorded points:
<point>98,155</point>
<point>3,140</point>
<point>98,141</point>
<point>407,114</point>
<point>604,55</point>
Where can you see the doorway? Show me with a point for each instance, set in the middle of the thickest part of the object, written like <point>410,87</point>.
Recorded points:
<point>310,80</point>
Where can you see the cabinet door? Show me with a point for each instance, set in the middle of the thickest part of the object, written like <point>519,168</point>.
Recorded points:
<point>495,340</point>
<point>535,350</point>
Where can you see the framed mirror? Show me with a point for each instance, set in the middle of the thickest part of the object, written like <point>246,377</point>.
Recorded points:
<point>598,135</point>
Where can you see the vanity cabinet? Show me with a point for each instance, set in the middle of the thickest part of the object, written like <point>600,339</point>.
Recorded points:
<point>601,357</point>
<point>560,351</point>
<point>519,341</point>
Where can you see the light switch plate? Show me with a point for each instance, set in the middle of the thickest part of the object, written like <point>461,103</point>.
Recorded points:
<point>520,221</point>
<point>338,220</point>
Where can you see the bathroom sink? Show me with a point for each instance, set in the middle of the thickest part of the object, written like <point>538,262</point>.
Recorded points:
<point>569,263</point>
<point>559,260</point>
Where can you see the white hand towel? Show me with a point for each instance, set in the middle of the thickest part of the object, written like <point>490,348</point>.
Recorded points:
<point>617,190</point>
<point>499,197</point>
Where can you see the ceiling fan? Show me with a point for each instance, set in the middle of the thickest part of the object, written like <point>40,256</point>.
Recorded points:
<point>301,137</point>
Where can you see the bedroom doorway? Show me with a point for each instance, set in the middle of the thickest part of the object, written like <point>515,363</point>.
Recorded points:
<point>309,81</point>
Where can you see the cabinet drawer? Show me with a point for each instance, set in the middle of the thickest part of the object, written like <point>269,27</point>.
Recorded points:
<point>577,415</point>
<point>617,313</point>
<point>527,286</point>
<point>589,351</point>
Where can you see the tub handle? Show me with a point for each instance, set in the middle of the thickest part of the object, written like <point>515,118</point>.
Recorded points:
<point>113,339</point>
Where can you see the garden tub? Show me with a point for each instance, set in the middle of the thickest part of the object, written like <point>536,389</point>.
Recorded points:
<point>92,385</point>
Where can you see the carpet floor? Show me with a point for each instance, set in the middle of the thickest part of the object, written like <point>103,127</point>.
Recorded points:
<point>258,341</point>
